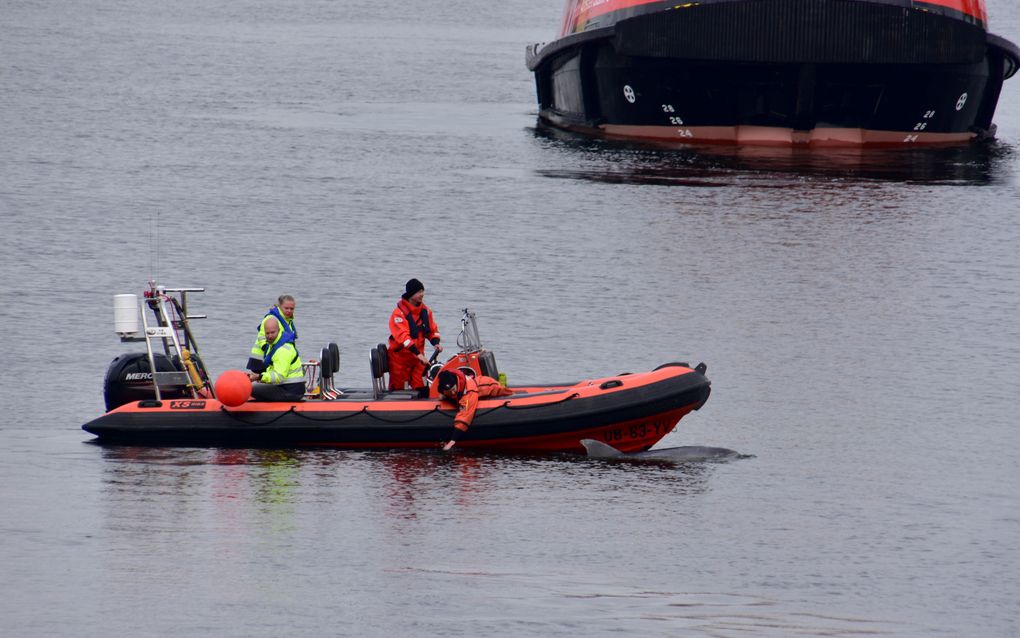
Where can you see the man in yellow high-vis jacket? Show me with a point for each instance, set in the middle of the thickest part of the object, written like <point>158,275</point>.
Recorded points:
<point>283,378</point>
<point>283,311</point>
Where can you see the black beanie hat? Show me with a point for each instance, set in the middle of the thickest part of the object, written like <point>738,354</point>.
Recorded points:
<point>446,380</point>
<point>412,287</point>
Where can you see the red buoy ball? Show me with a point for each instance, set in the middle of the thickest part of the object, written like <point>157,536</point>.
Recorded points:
<point>233,388</point>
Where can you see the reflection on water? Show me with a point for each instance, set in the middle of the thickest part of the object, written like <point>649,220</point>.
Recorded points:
<point>437,533</point>
<point>617,162</point>
<point>407,479</point>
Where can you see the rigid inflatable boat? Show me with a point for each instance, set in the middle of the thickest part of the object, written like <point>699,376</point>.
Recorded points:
<point>164,397</point>
<point>774,72</point>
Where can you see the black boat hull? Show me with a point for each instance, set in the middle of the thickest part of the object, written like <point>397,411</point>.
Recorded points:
<point>787,72</point>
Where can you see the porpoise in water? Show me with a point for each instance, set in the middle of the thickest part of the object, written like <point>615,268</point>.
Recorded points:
<point>599,450</point>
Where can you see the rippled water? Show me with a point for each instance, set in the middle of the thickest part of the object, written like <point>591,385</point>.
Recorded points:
<point>857,312</point>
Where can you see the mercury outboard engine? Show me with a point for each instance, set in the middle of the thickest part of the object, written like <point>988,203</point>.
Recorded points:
<point>129,379</point>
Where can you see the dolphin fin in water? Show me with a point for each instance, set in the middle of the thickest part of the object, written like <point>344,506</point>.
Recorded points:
<point>599,450</point>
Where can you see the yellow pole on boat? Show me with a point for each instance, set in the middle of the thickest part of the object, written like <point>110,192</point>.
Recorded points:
<point>189,365</point>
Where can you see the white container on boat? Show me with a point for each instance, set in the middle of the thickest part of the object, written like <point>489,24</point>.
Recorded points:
<point>125,314</point>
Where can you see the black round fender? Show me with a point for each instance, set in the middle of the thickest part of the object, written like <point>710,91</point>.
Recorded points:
<point>326,363</point>
<point>334,356</point>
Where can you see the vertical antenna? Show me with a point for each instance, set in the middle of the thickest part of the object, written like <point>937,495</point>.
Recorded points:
<point>154,246</point>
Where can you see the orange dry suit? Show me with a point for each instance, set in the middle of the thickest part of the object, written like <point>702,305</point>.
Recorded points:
<point>410,326</point>
<point>469,390</point>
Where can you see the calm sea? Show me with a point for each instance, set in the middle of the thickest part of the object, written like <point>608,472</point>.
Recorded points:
<point>857,312</point>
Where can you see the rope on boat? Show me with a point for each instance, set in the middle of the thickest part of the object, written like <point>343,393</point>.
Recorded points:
<point>364,410</point>
<point>237,416</point>
<point>414,418</point>
<point>332,419</point>
<point>478,415</point>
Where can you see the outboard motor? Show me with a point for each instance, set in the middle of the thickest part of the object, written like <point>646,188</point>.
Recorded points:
<point>129,379</point>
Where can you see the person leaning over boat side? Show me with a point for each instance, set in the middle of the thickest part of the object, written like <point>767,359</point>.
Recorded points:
<point>464,392</point>
<point>283,378</point>
<point>411,323</point>
<point>284,313</point>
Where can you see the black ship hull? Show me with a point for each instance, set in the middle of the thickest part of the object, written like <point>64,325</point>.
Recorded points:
<point>785,72</point>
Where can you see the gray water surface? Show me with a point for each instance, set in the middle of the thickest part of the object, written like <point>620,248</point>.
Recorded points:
<point>857,311</point>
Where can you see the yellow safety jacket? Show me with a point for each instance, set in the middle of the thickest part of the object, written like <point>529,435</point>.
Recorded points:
<point>285,366</point>
<point>286,325</point>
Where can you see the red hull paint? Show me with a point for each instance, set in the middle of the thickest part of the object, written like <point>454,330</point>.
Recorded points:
<point>627,436</point>
<point>578,13</point>
<point>773,136</point>
<point>972,8</point>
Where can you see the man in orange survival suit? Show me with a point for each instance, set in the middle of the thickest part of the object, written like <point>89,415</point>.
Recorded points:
<point>410,325</point>
<point>464,392</point>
